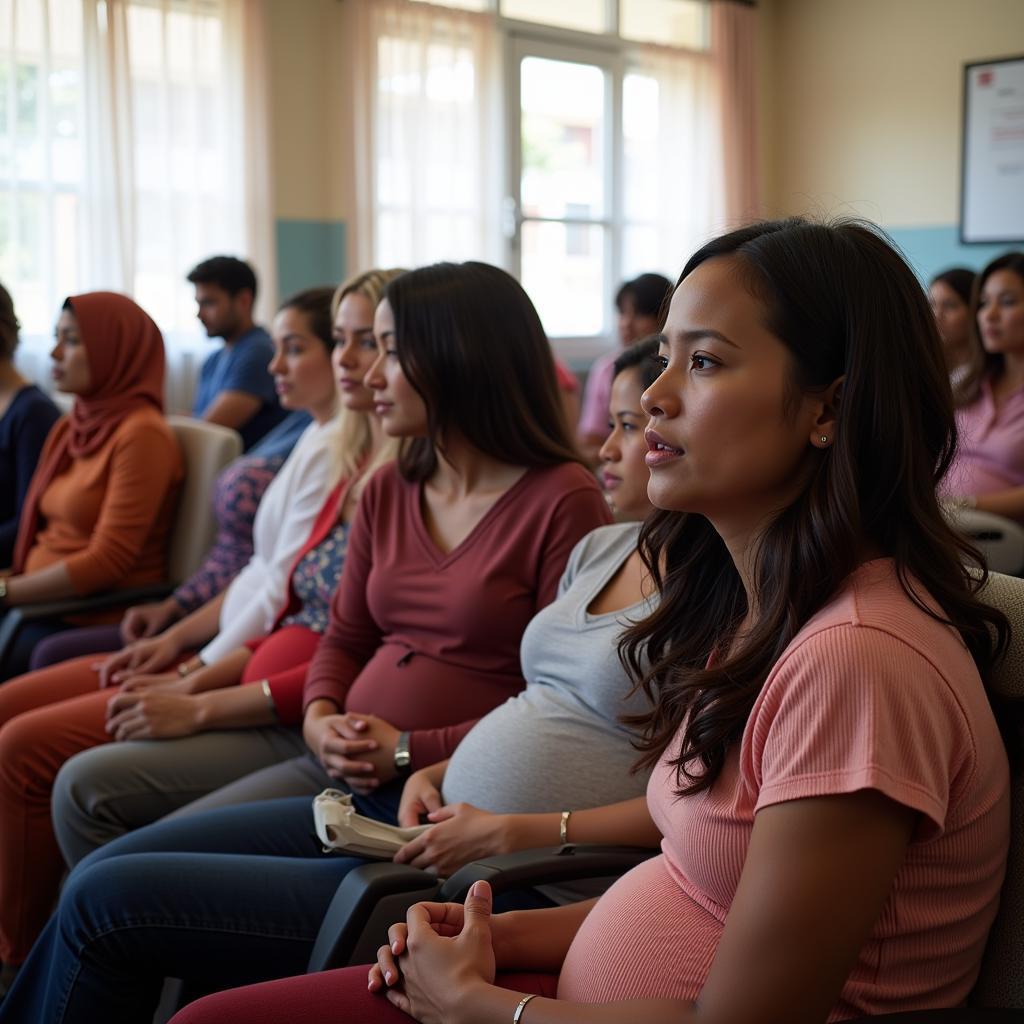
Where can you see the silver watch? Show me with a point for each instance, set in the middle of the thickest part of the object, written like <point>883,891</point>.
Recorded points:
<point>403,759</point>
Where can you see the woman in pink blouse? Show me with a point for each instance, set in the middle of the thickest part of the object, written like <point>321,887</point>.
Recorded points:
<point>988,472</point>
<point>828,775</point>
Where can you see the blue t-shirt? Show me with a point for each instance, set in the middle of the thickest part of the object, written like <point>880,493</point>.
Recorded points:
<point>242,367</point>
<point>23,430</point>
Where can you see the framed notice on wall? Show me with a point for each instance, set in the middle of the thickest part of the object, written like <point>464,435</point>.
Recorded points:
<point>992,160</point>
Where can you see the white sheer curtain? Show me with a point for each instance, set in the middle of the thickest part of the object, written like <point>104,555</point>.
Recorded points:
<point>734,28</point>
<point>672,159</point>
<point>133,143</point>
<point>428,131</point>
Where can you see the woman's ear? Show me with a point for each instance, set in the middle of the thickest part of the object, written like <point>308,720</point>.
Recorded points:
<point>825,423</point>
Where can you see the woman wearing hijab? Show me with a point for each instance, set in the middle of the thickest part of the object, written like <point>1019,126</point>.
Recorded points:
<point>99,508</point>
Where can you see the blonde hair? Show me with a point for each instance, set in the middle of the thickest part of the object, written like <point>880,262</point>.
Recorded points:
<point>352,437</point>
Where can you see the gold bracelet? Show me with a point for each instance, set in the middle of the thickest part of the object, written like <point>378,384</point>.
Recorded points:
<point>517,1016</point>
<point>563,828</point>
<point>265,687</point>
<point>190,665</point>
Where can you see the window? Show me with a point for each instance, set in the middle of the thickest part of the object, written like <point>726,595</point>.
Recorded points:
<point>42,154</point>
<point>594,186</point>
<point>181,165</point>
<point>123,157</point>
<point>433,142</point>
<point>667,22</point>
<point>564,238</point>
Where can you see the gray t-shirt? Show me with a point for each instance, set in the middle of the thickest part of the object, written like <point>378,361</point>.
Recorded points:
<point>558,744</point>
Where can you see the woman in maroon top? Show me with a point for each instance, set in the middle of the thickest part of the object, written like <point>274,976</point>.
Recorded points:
<point>455,547</point>
<point>470,532</point>
<point>451,553</point>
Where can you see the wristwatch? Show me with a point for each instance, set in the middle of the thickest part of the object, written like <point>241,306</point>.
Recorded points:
<point>3,589</point>
<point>403,759</point>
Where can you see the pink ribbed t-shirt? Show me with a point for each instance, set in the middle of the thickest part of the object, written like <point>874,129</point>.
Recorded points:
<point>871,694</point>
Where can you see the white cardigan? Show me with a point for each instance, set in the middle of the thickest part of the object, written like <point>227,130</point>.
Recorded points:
<point>284,519</point>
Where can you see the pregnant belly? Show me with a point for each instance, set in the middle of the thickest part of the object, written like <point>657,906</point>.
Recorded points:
<point>644,938</point>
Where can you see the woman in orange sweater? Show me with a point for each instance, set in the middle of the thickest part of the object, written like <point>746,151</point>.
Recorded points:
<point>100,504</point>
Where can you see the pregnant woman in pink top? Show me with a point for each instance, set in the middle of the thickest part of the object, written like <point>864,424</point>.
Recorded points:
<point>827,773</point>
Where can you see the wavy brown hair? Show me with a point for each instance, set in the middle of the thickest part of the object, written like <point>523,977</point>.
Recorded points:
<point>471,343</point>
<point>845,304</point>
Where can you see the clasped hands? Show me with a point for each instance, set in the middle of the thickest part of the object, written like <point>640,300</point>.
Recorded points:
<point>358,749</point>
<point>437,956</point>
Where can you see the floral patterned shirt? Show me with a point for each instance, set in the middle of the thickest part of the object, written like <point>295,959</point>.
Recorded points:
<point>315,578</point>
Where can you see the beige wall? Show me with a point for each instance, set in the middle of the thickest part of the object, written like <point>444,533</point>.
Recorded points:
<point>861,102</point>
<point>309,113</point>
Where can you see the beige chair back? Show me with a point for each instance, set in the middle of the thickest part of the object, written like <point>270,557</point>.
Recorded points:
<point>205,449</point>
<point>1001,983</point>
<point>1000,540</point>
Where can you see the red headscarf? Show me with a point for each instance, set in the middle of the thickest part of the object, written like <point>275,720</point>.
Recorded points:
<point>126,365</point>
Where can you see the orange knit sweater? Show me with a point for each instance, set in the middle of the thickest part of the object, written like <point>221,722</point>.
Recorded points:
<point>107,517</point>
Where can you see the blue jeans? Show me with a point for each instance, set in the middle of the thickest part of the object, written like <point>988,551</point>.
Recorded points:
<point>233,896</point>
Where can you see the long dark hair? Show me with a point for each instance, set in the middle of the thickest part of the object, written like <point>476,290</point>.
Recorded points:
<point>844,303</point>
<point>471,343</point>
<point>985,365</point>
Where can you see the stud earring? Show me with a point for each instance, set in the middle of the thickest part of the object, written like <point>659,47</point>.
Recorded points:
<point>823,439</point>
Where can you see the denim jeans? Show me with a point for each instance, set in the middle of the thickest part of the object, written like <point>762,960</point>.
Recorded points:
<point>221,899</point>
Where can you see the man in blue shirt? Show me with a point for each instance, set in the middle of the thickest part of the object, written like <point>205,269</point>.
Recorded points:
<point>235,388</point>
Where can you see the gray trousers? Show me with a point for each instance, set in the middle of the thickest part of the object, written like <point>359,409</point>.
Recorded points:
<point>107,791</point>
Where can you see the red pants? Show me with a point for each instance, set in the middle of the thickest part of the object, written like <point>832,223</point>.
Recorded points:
<point>338,996</point>
<point>45,718</point>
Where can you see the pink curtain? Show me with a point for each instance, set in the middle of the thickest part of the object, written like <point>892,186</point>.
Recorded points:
<point>734,49</point>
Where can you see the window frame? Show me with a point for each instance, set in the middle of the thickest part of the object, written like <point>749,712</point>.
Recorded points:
<point>518,46</point>
<point>613,53</point>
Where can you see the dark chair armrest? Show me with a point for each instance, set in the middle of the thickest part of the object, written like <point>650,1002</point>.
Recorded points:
<point>545,866</point>
<point>14,618</point>
<point>95,602</point>
<point>370,899</point>
<point>960,1015</point>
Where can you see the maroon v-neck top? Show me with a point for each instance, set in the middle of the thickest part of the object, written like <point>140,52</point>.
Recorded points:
<point>430,641</point>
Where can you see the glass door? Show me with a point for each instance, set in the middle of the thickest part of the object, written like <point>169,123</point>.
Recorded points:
<point>562,212</point>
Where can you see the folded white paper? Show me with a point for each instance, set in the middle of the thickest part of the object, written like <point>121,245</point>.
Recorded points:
<point>342,830</point>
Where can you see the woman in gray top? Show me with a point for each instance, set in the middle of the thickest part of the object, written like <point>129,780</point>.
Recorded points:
<point>554,763</point>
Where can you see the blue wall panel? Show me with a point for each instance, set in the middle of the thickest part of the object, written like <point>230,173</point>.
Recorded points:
<point>309,253</point>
